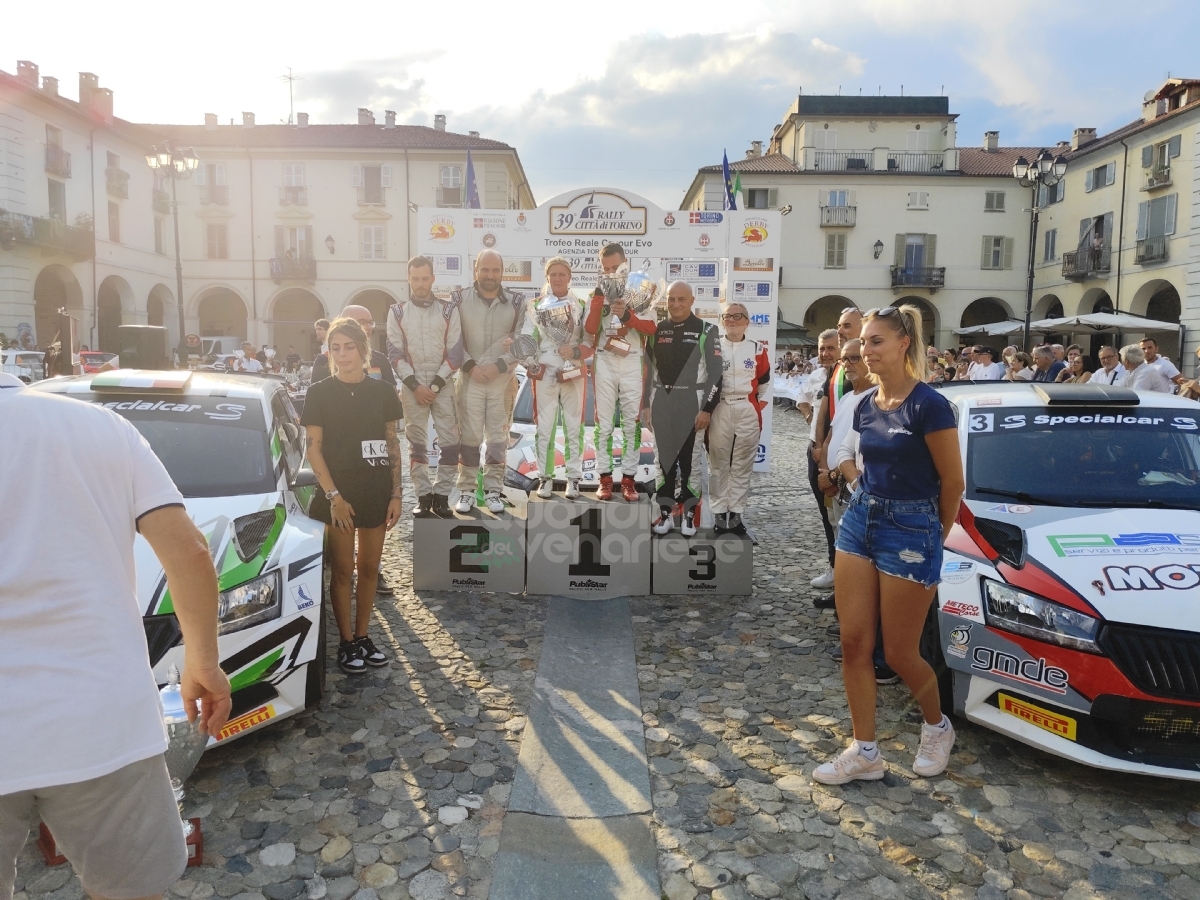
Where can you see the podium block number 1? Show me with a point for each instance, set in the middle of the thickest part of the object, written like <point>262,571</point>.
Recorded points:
<point>706,562</point>
<point>483,541</point>
<point>589,563</point>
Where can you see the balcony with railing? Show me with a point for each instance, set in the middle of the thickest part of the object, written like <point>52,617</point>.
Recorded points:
<point>161,201</point>
<point>49,234</point>
<point>1158,177</point>
<point>117,181</point>
<point>293,195</point>
<point>838,160</point>
<point>288,268</point>
<point>58,161</point>
<point>913,161</point>
<point>214,194</point>
<point>450,197</point>
<point>931,277</point>
<point>1152,250</point>
<point>1082,264</point>
<point>838,216</point>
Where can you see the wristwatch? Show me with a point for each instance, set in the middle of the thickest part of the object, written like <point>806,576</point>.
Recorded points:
<point>329,495</point>
<point>436,388</point>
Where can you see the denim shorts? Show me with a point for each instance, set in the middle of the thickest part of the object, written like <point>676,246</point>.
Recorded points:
<point>901,537</point>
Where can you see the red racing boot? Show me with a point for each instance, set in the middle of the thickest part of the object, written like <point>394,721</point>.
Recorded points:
<point>629,491</point>
<point>606,486</point>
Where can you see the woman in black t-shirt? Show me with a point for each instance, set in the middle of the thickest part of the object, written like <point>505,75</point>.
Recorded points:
<point>350,423</point>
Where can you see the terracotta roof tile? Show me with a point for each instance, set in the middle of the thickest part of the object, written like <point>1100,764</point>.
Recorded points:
<point>768,162</point>
<point>977,161</point>
<point>402,137</point>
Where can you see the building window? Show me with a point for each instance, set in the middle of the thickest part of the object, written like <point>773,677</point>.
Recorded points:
<point>216,241</point>
<point>158,235</point>
<point>916,142</point>
<point>993,201</point>
<point>114,221</point>
<point>210,178</point>
<point>835,250</point>
<point>1156,218</point>
<point>296,243</point>
<point>1050,251</point>
<point>451,176</point>
<point>53,136</point>
<point>1053,194</point>
<point>761,198</point>
<point>371,181</point>
<point>837,198</point>
<point>293,174</point>
<point>374,242</point>
<point>997,252</point>
<point>1099,177</point>
<point>918,199</point>
<point>58,200</point>
<point>916,251</point>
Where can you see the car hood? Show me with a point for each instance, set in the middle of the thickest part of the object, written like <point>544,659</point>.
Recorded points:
<point>1138,566</point>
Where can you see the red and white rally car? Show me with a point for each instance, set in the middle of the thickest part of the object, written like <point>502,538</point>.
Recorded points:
<point>1068,616</point>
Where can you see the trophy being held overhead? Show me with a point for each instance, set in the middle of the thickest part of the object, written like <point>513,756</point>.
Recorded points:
<point>555,318</point>
<point>623,290</point>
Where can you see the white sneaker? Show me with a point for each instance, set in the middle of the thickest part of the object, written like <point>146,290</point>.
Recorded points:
<point>463,503</point>
<point>664,523</point>
<point>823,581</point>
<point>851,765</point>
<point>494,503</point>
<point>572,488</point>
<point>545,489</point>
<point>690,523</point>
<point>934,753</point>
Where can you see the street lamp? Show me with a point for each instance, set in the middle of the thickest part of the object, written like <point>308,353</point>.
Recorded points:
<point>1046,170</point>
<point>175,165</point>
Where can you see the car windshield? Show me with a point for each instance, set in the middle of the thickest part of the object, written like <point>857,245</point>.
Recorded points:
<point>1086,456</point>
<point>211,446</point>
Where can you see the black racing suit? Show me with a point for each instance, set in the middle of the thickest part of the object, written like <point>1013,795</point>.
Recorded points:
<point>685,360</point>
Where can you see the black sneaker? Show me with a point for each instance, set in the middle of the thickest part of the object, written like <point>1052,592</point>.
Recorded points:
<point>884,675</point>
<point>349,658</point>
<point>736,526</point>
<point>424,508</point>
<point>826,602</point>
<point>721,523</point>
<point>834,630</point>
<point>441,506</point>
<point>370,654</point>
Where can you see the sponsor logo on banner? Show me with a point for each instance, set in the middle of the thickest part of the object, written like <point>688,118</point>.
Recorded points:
<point>704,240</point>
<point>447,265</point>
<point>707,291</point>
<point>958,608</point>
<point>960,638</point>
<point>752,290</point>
<point>1140,578</point>
<point>692,271</point>
<point>702,586</point>
<point>705,218</point>
<point>760,455</point>
<point>1063,726</point>
<point>467,582</point>
<point>1034,672</point>
<point>489,222</point>
<point>589,585</point>
<point>1017,509</point>
<point>521,218</point>
<point>957,571</point>
<point>668,220</point>
<point>518,270</point>
<point>754,231</point>
<point>598,212</point>
<point>1143,543</point>
<point>441,228</point>
<point>760,319</point>
<point>753,264</point>
<point>301,596</point>
<point>489,240</point>
<point>247,721</point>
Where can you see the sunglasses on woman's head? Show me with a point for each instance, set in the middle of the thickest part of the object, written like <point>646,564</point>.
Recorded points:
<point>884,312</point>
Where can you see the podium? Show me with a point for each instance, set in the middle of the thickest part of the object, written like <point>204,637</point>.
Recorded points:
<point>587,549</point>
<point>706,563</point>
<point>475,551</point>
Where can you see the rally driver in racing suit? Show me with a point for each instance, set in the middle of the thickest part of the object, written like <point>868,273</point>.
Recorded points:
<point>424,342</point>
<point>619,380</point>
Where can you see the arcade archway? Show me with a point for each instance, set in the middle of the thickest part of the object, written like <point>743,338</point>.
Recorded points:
<point>56,288</point>
<point>291,322</point>
<point>378,302</point>
<point>222,314</point>
<point>112,297</point>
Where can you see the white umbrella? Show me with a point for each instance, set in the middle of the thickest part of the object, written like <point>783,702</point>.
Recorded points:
<point>1009,326</point>
<point>1104,322</point>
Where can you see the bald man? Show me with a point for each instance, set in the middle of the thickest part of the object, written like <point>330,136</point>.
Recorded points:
<point>380,366</point>
<point>487,385</point>
<point>684,389</point>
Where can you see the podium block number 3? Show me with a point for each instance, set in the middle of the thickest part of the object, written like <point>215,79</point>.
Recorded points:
<point>482,543</point>
<point>706,562</point>
<point>589,563</point>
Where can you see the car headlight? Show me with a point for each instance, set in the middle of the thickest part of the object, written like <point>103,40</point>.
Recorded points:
<point>1009,609</point>
<point>248,604</point>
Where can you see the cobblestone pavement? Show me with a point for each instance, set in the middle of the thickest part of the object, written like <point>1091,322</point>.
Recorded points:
<point>397,786</point>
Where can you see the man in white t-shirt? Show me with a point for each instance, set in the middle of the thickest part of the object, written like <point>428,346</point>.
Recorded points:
<point>1157,360</point>
<point>1140,375</point>
<point>1111,371</point>
<point>247,361</point>
<point>82,738</point>
<point>984,368</point>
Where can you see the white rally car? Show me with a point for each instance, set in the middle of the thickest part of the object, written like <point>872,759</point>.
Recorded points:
<point>1068,616</point>
<point>233,446</point>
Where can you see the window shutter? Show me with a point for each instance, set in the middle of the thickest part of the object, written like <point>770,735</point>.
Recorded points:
<point>1171,200</point>
<point>772,197</point>
<point>930,250</point>
<point>385,176</point>
<point>899,251</point>
<point>1110,173</point>
<point>1087,180</point>
<point>830,251</point>
<point>1173,146</point>
<point>1008,254</point>
<point>280,242</point>
<point>219,174</point>
<point>1143,220</point>
<point>822,198</point>
<point>200,174</point>
<point>989,201</point>
<point>1043,195</point>
<point>356,176</point>
<point>1062,191</point>
<point>999,201</point>
<point>1108,232</point>
<point>985,259</point>
<point>1147,156</point>
<point>1085,233</point>
<point>852,198</point>
<point>308,242</point>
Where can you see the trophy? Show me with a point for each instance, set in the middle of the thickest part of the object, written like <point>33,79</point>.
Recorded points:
<point>637,289</point>
<point>556,318</point>
<point>185,746</point>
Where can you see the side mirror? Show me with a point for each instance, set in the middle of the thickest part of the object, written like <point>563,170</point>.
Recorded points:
<point>304,478</point>
<point>292,431</point>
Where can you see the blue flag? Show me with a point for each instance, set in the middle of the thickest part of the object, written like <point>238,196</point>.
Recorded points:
<point>730,201</point>
<point>472,188</point>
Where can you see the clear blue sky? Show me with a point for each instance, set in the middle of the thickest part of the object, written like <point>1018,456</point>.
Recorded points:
<point>637,96</point>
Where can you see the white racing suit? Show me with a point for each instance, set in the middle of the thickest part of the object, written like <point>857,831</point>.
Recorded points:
<point>485,410</point>
<point>619,383</point>
<point>425,347</point>
<point>736,423</point>
<point>549,393</point>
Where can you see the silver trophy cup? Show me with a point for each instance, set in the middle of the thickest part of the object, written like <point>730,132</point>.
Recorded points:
<point>556,318</point>
<point>185,745</point>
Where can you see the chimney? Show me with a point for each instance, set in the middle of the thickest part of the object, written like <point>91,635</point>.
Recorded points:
<point>389,118</point>
<point>473,134</point>
<point>102,105</point>
<point>49,86</point>
<point>755,149</point>
<point>247,120</point>
<point>301,120</point>
<point>27,72</point>
<point>991,141</point>
<point>439,122</point>
<point>365,116</point>
<point>210,121</point>
<point>1082,136</point>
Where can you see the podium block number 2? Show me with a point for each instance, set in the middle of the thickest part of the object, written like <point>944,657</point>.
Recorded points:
<point>589,563</point>
<point>482,543</point>
<point>706,562</point>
